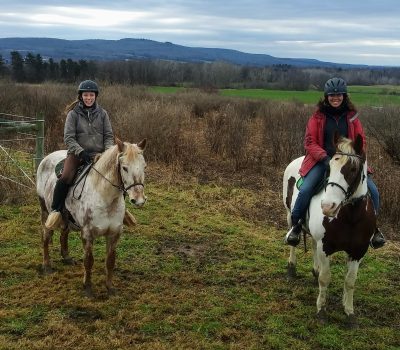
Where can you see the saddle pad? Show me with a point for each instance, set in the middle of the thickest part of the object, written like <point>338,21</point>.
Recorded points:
<point>83,169</point>
<point>318,188</point>
<point>59,168</point>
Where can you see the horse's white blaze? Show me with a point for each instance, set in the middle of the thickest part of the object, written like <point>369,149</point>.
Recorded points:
<point>334,195</point>
<point>134,174</point>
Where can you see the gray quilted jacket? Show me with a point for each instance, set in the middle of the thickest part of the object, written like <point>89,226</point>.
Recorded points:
<point>88,129</point>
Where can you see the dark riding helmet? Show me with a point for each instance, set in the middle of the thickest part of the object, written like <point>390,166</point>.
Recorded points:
<point>88,86</point>
<point>335,86</point>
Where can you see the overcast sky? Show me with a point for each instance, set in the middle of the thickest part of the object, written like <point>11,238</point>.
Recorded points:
<point>342,31</point>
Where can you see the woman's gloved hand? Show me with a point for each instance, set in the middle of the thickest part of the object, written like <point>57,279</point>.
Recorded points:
<point>85,157</point>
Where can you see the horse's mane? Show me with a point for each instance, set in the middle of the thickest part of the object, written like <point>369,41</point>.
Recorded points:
<point>345,145</point>
<point>107,162</point>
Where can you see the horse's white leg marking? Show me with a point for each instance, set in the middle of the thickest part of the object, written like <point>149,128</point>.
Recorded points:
<point>324,276</point>
<point>111,244</point>
<point>292,256</point>
<point>349,283</point>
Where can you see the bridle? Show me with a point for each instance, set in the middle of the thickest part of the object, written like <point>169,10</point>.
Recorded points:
<point>121,187</point>
<point>351,189</point>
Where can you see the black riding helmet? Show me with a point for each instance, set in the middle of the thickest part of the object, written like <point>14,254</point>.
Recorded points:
<point>335,86</point>
<point>88,86</point>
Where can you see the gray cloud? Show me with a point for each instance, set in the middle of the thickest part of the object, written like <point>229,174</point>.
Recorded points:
<point>339,31</point>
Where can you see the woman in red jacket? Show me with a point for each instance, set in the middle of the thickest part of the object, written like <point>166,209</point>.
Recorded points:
<point>335,113</point>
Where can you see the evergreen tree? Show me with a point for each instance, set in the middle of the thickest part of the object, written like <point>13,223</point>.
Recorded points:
<point>17,66</point>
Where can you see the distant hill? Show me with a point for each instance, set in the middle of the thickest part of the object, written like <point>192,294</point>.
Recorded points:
<point>125,49</point>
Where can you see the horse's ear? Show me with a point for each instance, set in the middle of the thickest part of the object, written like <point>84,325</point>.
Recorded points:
<point>142,144</point>
<point>358,144</point>
<point>120,144</point>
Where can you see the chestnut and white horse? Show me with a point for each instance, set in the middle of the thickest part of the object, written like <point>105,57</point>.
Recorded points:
<point>340,218</point>
<point>100,207</point>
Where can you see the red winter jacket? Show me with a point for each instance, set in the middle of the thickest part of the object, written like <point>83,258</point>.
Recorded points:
<point>314,138</point>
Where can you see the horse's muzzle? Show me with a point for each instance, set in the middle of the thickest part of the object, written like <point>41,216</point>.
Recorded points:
<point>330,209</point>
<point>139,201</point>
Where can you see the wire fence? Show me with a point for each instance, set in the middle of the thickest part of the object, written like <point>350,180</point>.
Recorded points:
<point>21,150</point>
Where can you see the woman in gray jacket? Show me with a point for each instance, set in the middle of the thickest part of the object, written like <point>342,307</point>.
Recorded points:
<point>87,131</point>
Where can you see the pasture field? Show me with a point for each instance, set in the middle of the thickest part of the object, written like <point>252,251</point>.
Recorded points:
<point>195,273</point>
<point>376,96</point>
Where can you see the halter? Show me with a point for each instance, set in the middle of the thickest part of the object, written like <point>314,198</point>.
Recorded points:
<point>350,191</point>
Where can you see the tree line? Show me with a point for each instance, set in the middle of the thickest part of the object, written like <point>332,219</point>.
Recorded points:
<point>32,68</point>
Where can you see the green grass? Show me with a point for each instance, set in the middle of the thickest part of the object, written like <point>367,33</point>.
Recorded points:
<point>379,95</point>
<point>191,275</point>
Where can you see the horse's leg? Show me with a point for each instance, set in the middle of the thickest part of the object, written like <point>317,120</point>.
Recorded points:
<point>324,279</point>
<point>88,264</point>
<point>348,291</point>
<point>291,266</point>
<point>46,240</point>
<point>64,246</point>
<point>112,241</point>
<point>315,270</point>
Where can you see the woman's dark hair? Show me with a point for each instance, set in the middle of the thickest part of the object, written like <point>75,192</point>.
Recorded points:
<point>324,105</point>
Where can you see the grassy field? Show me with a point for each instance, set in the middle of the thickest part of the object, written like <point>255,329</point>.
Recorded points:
<point>361,95</point>
<point>193,274</point>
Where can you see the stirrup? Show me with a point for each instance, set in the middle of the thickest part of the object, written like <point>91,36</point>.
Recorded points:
<point>293,237</point>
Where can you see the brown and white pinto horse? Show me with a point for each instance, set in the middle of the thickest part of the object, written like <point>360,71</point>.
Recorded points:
<point>100,207</point>
<point>340,218</point>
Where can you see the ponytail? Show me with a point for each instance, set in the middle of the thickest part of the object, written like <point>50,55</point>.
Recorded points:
<point>71,106</point>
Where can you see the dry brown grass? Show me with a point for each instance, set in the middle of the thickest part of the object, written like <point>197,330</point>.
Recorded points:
<point>216,139</point>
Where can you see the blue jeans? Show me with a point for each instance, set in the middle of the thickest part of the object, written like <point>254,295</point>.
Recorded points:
<point>373,190</point>
<point>311,181</point>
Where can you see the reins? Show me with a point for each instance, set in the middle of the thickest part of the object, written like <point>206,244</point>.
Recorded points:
<point>121,187</point>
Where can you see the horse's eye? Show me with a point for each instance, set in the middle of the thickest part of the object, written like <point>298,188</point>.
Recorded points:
<point>125,168</point>
<point>337,158</point>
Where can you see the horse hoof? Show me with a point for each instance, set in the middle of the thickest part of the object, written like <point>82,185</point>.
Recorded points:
<point>322,317</point>
<point>291,271</point>
<point>351,321</point>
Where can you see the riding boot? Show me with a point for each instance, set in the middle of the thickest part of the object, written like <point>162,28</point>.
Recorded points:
<point>293,236</point>
<point>377,240</point>
<point>60,193</point>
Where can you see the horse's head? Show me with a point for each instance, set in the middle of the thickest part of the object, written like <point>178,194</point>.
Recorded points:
<point>347,175</point>
<point>131,166</point>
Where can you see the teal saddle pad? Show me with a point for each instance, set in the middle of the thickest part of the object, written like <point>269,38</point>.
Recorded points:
<point>320,186</point>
